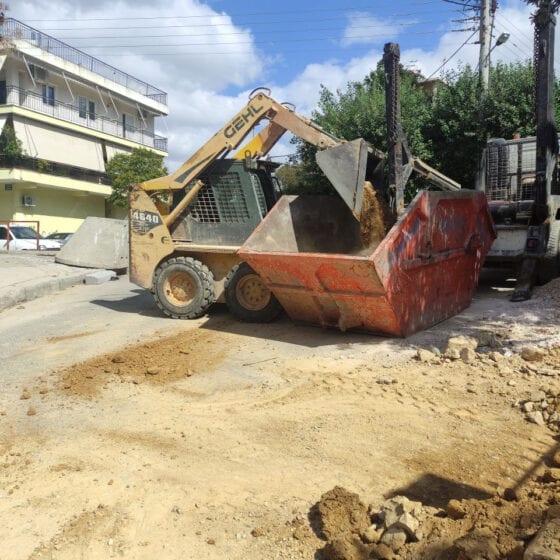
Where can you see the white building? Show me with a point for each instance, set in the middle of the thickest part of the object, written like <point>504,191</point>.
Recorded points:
<point>71,114</point>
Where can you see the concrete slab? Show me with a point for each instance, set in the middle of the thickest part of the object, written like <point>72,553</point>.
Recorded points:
<point>99,276</point>
<point>98,243</point>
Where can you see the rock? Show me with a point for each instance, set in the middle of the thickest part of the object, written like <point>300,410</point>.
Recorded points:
<point>408,523</point>
<point>394,538</point>
<point>372,535</point>
<point>467,355</point>
<point>258,532</point>
<point>551,475</point>
<point>556,459</point>
<point>25,395</point>
<point>385,380</point>
<point>496,356</point>
<point>153,371</point>
<point>455,509</point>
<point>488,338</point>
<point>459,342</point>
<point>532,353</point>
<point>536,418</point>
<point>537,396</point>
<point>478,544</point>
<point>546,544</point>
<point>31,411</point>
<point>553,512</point>
<point>528,406</point>
<point>425,355</point>
<point>510,495</point>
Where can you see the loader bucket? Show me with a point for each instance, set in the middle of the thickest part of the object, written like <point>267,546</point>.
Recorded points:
<point>310,254</point>
<point>347,167</point>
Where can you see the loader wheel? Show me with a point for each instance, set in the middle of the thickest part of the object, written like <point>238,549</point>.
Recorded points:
<point>248,298</point>
<point>549,266</point>
<point>183,288</point>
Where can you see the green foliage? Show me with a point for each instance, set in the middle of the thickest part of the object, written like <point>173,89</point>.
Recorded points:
<point>126,169</point>
<point>464,118</point>
<point>10,144</point>
<point>449,131</point>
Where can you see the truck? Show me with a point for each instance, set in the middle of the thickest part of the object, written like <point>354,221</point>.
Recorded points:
<point>507,177</point>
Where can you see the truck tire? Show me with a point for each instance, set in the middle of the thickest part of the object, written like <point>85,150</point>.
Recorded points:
<point>183,288</point>
<point>549,266</point>
<point>247,297</point>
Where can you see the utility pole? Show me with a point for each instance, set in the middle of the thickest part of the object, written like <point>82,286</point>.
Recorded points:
<point>485,39</point>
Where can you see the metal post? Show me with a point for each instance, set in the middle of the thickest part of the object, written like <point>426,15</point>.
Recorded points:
<point>547,148</point>
<point>397,149</point>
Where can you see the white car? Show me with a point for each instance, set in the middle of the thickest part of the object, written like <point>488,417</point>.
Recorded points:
<point>24,238</point>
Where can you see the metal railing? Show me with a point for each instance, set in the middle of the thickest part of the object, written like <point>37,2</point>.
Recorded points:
<point>54,168</point>
<point>71,113</point>
<point>13,29</point>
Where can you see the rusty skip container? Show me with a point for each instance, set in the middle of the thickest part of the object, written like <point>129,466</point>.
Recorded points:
<point>309,253</point>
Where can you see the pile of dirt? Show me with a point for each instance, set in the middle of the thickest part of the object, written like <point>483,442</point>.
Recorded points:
<point>501,527</point>
<point>550,292</point>
<point>146,363</point>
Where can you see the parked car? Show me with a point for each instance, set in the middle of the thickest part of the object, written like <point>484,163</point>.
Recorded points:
<point>24,238</point>
<point>60,237</point>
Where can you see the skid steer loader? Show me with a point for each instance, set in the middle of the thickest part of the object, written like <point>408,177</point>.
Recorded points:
<point>186,228</point>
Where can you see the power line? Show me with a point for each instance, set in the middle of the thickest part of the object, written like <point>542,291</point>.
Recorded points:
<point>215,15</point>
<point>450,57</point>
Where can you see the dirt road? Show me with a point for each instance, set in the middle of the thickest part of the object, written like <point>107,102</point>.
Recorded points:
<point>213,439</point>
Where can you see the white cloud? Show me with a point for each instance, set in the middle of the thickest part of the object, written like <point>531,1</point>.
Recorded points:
<point>363,28</point>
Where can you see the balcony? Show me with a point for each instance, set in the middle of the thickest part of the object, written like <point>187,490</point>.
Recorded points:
<point>71,113</point>
<point>53,168</point>
<point>14,29</point>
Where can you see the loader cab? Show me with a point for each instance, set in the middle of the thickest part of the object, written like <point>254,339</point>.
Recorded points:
<point>234,199</point>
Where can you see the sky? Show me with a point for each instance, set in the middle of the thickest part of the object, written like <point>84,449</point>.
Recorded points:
<point>209,55</point>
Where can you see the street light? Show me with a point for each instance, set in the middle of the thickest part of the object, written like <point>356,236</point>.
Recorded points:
<point>485,68</point>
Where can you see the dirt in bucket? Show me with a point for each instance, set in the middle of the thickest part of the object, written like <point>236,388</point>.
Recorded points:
<point>376,218</point>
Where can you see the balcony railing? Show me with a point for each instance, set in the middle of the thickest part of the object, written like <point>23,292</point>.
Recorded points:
<point>14,29</point>
<point>71,113</point>
<point>53,168</point>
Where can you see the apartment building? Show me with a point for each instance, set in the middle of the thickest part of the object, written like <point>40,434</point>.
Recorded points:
<point>71,113</point>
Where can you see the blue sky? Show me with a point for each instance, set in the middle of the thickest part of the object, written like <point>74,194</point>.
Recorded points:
<point>209,54</point>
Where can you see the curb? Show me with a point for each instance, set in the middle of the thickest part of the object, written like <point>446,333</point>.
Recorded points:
<point>39,288</point>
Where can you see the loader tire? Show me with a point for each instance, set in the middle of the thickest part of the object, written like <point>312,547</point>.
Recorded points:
<point>549,266</point>
<point>183,288</point>
<point>247,297</point>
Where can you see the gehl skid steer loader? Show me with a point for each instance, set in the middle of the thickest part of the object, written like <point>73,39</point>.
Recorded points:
<point>186,228</point>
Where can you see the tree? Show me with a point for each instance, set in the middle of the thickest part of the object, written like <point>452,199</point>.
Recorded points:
<point>463,120</point>
<point>126,169</point>
<point>10,145</point>
<point>359,112</point>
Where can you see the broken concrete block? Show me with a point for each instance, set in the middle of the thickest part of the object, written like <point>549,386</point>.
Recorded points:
<point>425,355</point>
<point>394,538</point>
<point>99,277</point>
<point>546,544</point>
<point>532,353</point>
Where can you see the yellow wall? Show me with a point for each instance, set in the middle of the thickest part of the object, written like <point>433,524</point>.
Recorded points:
<point>56,210</point>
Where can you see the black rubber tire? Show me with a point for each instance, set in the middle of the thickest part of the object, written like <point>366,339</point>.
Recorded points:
<point>247,298</point>
<point>549,266</point>
<point>183,287</point>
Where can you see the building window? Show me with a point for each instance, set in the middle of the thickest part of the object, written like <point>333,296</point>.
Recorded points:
<point>86,108</point>
<point>48,95</point>
<point>127,124</point>
<point>82,106</point>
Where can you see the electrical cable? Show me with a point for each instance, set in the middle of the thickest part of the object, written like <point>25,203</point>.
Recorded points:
<point>450,57</point>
